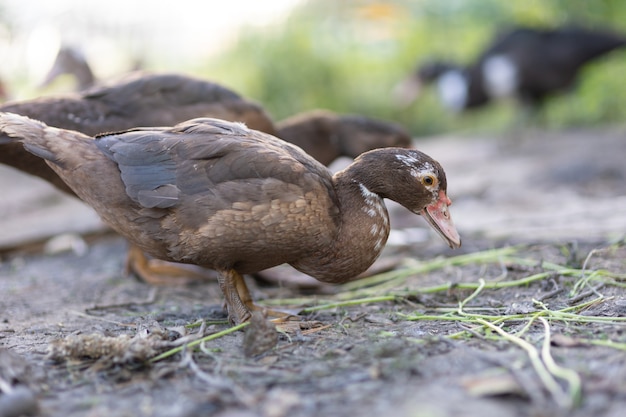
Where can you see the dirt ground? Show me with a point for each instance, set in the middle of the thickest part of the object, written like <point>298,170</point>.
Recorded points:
<point>559,195</point>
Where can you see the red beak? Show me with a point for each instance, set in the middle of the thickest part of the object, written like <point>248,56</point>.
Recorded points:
<point>438,216</point>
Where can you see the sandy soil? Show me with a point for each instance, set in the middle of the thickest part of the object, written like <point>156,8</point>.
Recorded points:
<point>561,194</point>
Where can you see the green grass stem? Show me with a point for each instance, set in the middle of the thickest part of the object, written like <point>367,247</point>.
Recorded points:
<point>213,336</point>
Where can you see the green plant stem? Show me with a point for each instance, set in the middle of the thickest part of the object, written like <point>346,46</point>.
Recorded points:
<point>570,376</point>
<point>432,265</point>
<point>213,336</point>
<point>530,322</point>
<point>481,285</point>
<point>350,303</point>
<point>604,343</point>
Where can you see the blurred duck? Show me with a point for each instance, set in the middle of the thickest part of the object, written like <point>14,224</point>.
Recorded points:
<point>138,99</point>
<point>321,133</point>
<point>4,93</point>
<point>71,61</point>
<point>524,63</point>
<point>326,135</point>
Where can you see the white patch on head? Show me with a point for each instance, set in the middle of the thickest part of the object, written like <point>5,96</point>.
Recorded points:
<point>453,89</point>
<point>412,163</point>
<point>427,168</point>
<point>407,159</point>
<point>419,169</point>
<point>500,75</point>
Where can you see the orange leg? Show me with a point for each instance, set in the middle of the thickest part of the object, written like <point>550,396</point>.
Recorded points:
<point>157,272</point>
<point>238,299</point>
<point>238,310</point>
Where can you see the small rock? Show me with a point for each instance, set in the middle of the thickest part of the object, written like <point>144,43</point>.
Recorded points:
<point>67,242</point>
<point>260,335</point>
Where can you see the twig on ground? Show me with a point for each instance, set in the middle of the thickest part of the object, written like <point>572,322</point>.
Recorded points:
<point>586,294</point>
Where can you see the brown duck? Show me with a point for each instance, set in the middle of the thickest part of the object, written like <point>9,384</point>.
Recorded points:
<point>326,135</point>
<point>140,99</point>
<point>217,194</point>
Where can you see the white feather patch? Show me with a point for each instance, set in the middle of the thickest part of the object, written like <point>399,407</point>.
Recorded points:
<point>453,89</point>
<point>500,75</point>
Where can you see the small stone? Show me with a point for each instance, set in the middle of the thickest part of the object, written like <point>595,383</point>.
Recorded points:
<point>260,335</point>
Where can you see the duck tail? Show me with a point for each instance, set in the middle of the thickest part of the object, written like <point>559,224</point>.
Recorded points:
<point>37,137</point>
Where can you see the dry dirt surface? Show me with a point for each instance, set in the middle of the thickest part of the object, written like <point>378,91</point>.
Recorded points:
<point>527,319</point>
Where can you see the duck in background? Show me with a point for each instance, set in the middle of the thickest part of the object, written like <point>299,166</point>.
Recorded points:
<point>71,61</point>
<point>4,93</point>
<point>138,99</point>
<point>326,135</point>
<point>219,195</point>
<point>527,64</point>
<point>323,134</point>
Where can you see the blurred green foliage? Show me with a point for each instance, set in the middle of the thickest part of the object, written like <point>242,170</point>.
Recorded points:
<point>347,56</point>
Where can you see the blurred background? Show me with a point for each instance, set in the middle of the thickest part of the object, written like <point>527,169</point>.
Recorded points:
<point>295,55</point>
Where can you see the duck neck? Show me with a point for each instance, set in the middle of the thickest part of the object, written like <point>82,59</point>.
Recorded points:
<point>362,233</point>
<point>84,76</point>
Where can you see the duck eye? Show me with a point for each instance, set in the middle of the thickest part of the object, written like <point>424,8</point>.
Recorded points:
<point>428,180</point>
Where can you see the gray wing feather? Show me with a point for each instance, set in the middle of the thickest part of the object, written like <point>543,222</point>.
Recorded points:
<point>147,168</point>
